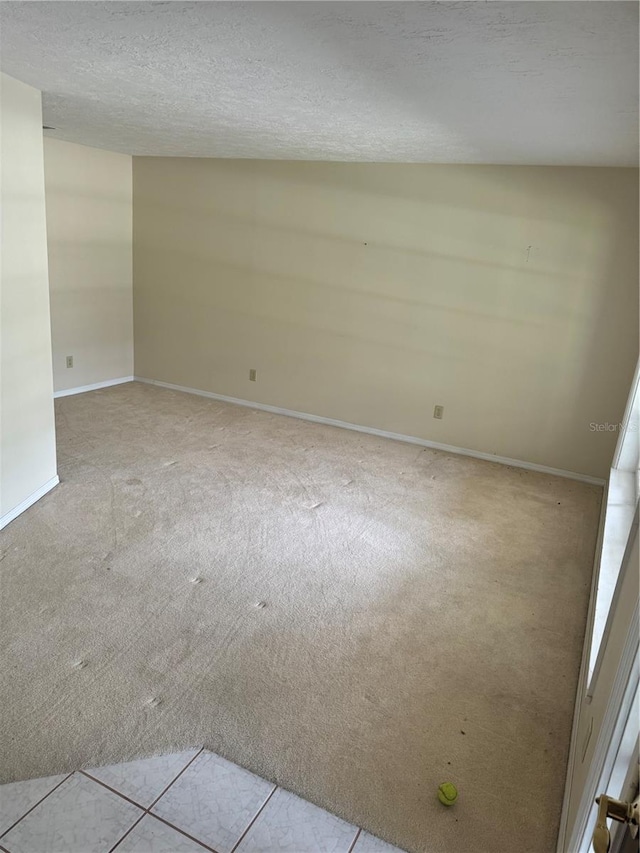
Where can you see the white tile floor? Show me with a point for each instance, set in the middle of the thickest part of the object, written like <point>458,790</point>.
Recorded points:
<point>183,803</point>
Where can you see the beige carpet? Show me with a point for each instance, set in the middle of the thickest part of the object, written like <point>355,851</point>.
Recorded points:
<point>354,618</point>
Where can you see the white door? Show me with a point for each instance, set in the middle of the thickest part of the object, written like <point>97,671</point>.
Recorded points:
<point>603,756</point>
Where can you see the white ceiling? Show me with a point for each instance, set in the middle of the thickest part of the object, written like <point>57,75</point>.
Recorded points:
<point>450,82</point>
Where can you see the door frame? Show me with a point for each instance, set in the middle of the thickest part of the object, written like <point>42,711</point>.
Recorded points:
<point>619,705</point>
<point>628,663</point>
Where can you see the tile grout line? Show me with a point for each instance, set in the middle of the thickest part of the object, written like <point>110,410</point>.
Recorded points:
<point>112,790</point>
<point>35,805</point>
<point>135,802</point>
<point>182,832</point>
<point>131,828</point>
<point>255,818</point>
<point>146,810</point>
<point>188,764</point>
<point>355,840</point>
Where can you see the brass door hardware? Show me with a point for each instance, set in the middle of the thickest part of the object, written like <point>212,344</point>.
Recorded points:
<point>614,809</point>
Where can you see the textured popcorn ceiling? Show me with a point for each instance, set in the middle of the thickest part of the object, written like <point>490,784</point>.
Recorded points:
<point>470,82</point>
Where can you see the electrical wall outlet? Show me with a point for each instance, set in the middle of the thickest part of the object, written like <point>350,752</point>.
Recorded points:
<point>69,361</point>
<point>252,375</point>
<point>438,412</point>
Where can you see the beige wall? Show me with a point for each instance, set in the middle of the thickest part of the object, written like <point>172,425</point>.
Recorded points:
<point>370,293</point>
<point>88,194</point>
<point>27,430</point>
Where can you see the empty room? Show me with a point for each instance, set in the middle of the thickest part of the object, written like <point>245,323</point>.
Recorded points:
<point>320,426</point>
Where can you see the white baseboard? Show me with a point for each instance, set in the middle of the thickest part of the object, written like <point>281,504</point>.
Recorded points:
<point>396,436</point>
<point>27,502</point>
<point>96,385</point>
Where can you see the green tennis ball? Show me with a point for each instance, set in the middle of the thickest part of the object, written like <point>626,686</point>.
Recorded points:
<point>447,794</point>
